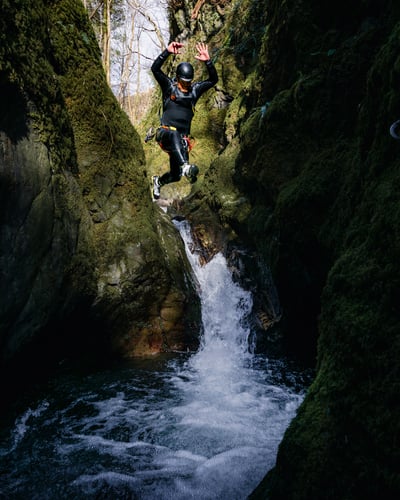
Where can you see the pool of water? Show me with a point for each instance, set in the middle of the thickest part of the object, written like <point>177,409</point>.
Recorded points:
<point>205,425</point>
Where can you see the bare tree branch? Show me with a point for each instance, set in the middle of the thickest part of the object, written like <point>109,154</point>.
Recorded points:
<point>197,7</point>
<point>136,5</point>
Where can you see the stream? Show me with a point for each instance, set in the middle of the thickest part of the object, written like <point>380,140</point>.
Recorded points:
<point>180,426</point>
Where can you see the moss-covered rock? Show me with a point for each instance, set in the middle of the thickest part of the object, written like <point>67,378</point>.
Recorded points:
<point>299,170</point>
<point>308,181</point>
<point>88,262</point>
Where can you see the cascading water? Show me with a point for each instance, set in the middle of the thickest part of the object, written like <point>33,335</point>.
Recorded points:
<point>201,426</point>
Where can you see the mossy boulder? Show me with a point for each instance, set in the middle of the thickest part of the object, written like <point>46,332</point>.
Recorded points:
<point>307,180</point>
<point>89,264</point>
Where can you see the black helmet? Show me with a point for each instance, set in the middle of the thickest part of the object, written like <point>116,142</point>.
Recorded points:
<point>185,72</point>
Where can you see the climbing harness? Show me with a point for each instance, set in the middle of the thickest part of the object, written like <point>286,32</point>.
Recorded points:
<point>168,127</point>
<point>187,142</point>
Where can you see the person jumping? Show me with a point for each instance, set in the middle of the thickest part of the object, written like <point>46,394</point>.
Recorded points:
<point>179,96</point>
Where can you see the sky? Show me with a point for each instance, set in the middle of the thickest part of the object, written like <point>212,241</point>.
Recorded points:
<point>146,43</point>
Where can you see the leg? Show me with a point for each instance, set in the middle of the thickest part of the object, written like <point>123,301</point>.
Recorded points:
<point>177,147</point>
<point>178,150</point>
<point>171,142</point>
<point>174,174</point>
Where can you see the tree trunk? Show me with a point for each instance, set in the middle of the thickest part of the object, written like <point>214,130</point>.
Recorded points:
<point>107,39</point>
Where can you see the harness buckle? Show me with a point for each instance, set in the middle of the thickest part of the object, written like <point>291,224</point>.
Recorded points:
<point>168,127</point>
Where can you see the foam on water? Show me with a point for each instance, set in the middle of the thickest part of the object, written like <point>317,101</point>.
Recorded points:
<point>205,426</point>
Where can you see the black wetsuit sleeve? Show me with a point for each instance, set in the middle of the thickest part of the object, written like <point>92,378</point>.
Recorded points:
<point>201,87</point>
<point>212,72</point>
<point>159,75</point>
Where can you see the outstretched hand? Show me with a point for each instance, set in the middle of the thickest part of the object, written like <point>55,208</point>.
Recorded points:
<point>202,52</point>
<point>174,47</point>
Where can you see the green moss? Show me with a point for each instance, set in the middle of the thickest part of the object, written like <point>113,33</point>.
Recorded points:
<point>108,148</point>
<point>24,61</point>
<point>310,153</point>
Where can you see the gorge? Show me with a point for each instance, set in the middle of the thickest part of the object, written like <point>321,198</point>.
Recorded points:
<point>298,190</point>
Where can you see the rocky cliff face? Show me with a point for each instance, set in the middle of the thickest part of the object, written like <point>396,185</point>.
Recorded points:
<point>308,179</point>
<point>303,174</point>
<point>88,264</point>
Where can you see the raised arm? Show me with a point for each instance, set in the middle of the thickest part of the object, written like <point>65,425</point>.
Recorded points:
<point>202,52</point>
<point>204,56</point>
<point>159,75</point>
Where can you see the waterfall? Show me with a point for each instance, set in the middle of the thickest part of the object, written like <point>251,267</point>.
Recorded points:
<point>225,307</point>
<point>188,426</point>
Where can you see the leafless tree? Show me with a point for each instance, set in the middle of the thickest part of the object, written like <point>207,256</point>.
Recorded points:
<point>130,33</point>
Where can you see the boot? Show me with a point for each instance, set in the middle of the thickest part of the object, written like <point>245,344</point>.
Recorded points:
<point>156,187</point>
<point>190,171</point>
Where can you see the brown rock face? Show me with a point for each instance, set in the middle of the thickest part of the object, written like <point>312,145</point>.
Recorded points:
<point>173,328</point>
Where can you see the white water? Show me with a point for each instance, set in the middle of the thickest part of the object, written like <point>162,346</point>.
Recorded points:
<point>205,426</point>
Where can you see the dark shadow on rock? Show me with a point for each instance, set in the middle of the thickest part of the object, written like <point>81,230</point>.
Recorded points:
<point>13,111</point>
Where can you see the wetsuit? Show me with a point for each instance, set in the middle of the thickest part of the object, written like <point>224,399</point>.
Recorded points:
<point>178,111</point>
